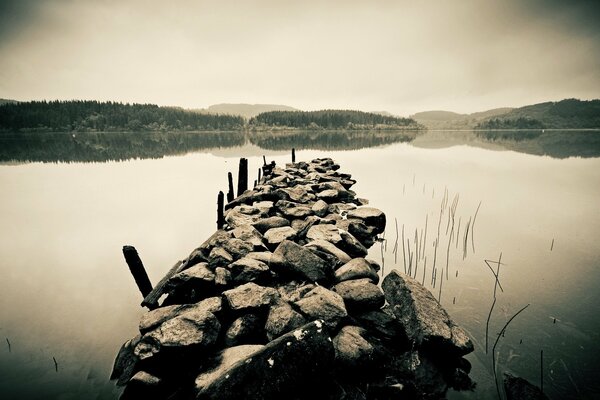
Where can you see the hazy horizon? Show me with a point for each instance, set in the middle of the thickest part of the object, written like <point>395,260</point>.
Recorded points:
<point>399,57</point>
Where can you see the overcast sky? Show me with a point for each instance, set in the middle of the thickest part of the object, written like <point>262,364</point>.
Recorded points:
<point>399,56</point>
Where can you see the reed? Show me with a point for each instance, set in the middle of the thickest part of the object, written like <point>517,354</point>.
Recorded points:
<point>395,250</point>
<point>55,364</point>
<point>441,283</point>
<point>552,245</point>
<point>473,227</point>
<point>496,343</point>
<point>496,282</point>
<point>9,346</point>
<point>403,249</point>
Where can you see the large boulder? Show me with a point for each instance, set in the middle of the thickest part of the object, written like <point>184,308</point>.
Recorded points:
<point>223,360</point>
<point>340,238</point>
<point>296,261</point>
<point>198,276</point>
<point>360,294</point>
<point>370,216</point>
<point>248,270</point>
<point>274,236</point>
<point>279,370</point>
<point>249,296</point>
<point>192,331</point>
<point>426,322</point>
<point>250,235</point>
<point>352,350</point>
<point>154,318</point>
<point>264,224</point>
<point>296,193</point>
<point>330,248</point>
<point>293,210</point>
<point>321,303</point>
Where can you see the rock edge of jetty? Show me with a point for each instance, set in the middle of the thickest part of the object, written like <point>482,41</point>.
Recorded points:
<point>282,302</point>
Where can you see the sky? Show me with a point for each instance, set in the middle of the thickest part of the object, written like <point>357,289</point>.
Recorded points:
<point>396,56</point>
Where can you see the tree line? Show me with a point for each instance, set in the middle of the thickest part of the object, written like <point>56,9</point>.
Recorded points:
<point>330,119</point>
<point>511,123</point>
<point>82,116</point>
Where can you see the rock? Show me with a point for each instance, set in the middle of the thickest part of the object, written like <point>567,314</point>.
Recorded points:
<point>263,225</point>
<point>274,236</point>
<point>281,319</point>
<point>264,256</point>
<point>264,207</point>
<point>293,210</point>
<point>219,257</point>
<point>295,261</point>
<point>328,247</point>
<point>351,349</point>
<point>321,303</point>
<point>329,195</point>
<point>125,362</point>
<point>248,270</point>
<point>144,385</point>
<point>250,235</point>
<point>383,326</point>
<point>235,218</point>
<point>360,294</point>
<point>352,246</point>
<point>243,330</point>
<point>190,331</point>
<point>426,322</point>
<point>370,216</point>
<point>520,389</point>
<point>237,248</point>
<point>294,291</point>
<point>197,276</point>
<point>223,361</point>
<point>249,296</point>
<point>355,269</point>
<point>303,225</point>
<point>222,276</point>
<point>326,232</point>
<point>155,317</point>
<point>279,370</point>
<point>341,208</point>
<point>296,193</point>
<point>320,208</point>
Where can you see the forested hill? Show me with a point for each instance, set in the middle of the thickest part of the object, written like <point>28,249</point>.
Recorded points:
<point>107,116</point>
<point>331,119</point>
<point>564,114</point>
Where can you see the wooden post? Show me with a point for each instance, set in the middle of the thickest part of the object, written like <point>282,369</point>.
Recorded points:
<point>259,174</point>
<point>242,176</point>
<point>230,194</point>
<point>151,300</point>
<point>293,155</point>
<point>220,217</point>
<point>264,160</point>
<point>137,270</point>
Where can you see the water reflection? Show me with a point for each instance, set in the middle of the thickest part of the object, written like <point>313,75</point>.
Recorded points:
<point>109,146</point>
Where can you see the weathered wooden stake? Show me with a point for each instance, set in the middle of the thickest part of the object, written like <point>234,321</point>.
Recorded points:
<point>264,160</point>
<point>242,176</point>
<point>293,155</point>
<point>230,193</point>
<point>259,174</point>
<point>137,270</point>
<point>220,205</point>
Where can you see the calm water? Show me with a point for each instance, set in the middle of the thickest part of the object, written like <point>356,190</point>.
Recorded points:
<point>66,292</point>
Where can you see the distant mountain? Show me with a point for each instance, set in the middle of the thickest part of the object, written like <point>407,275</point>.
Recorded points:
<point>452,120</point>
<point>245,110</point>
<point>564,114</point>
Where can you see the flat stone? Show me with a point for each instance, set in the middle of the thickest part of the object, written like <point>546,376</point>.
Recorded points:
<point>199,276</point>
<point>274,236</point>
<point>156,317</point>
<point>351,245</point>
<point>249,296</point>
<point>282,319</point>
<point>328,247</point>
<point>264,224</point>
<point>235,218</point>
<point>249,234</point>
<point>297,194</point>
<point>248,270</point>
<point>426,322</point>
<point>370,216</point>
<point>264,207</point>
<point>294,291</point>
<point>360,294</point>
<point>279,370</point>
<point>321,303</point>
<point>326,232</point>
<point>295,261</point>
<point>355,269</point>
<point>293,210</point>
<point>264,256</point>
<point>237,247</point>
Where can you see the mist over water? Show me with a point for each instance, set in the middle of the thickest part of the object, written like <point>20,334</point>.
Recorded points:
<point>66,291</point>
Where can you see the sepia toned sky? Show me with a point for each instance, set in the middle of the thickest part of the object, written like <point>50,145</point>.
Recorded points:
<point>399,56</point>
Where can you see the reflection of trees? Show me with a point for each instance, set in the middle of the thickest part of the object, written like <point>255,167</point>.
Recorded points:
<point>558,144</point>
<point>328,140</point>
<point>106,146</point>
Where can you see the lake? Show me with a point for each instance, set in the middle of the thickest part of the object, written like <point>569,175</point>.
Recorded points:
<point>70,202</point>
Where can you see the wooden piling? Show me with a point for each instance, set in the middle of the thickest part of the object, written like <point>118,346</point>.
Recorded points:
<point>151,300</point>
<point>220,205</point>
<point>242,176</point>
<point>259,174</point>
<point>293,155</point>
<point>230,193</point>
<point>137,269</point>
